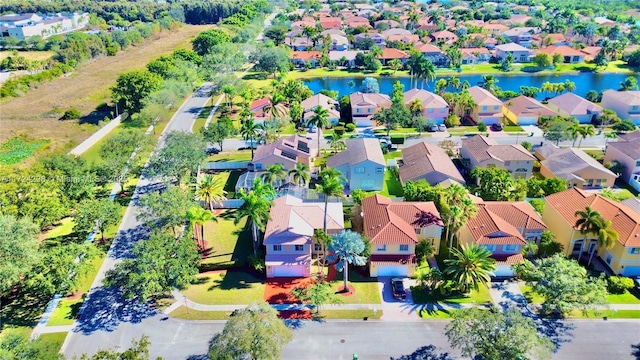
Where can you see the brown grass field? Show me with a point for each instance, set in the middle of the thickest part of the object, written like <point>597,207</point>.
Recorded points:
<point>36,114</point>
<point>29,55</point>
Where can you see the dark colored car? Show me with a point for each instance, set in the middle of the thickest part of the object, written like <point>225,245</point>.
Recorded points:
<point>496,127</point>
<point>397,288</point>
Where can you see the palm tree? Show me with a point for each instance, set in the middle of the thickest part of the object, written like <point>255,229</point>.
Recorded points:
<point>249,131</point>
<point>457,210</point>
<point>337,142</point>
<point>454,82</point>
<point>547,87</point>
<point>587,130</point>
<point>441,86</point>
<point>210,189</point>
<point>416,107</point>
<point>275,108</point>
<point>228,92</point>
<point>529,249</point>
<point>607,237</point>
<point>427,71</point>
<point>256,207</point>
<point>570,86</point>
<point>588,222</point>
<point>395,65</point>
<point>274,174</point>
<point>574,131</point>
<point>300,174</point>
<point>320,119</point>
<point>608,136</point>
<point>347,247</point>
<point>198,217</point>
<point>330,185</point>
<point>489,83</point>
<point>470,267</point>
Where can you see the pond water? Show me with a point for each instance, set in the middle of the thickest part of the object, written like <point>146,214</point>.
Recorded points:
<point>584,82</point>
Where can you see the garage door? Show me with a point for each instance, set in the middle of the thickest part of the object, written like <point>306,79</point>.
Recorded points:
<point>288,271</point>
<point>631,271</point>
<point>503,271</point>
<point>367,184</point>
<point>395,270</point>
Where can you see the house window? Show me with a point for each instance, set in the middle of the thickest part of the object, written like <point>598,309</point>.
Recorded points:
<point>379,170</point>
<point>484,108</point>
<point>358,110</point>
<point>637,163</point>
<point>299,247</point>
<point>634,107</point>
<point>507,163</point>
<point>369,110</point>
<point>382,247</point>
<point>277,247</point>
<point>608,259</point>
<point>510,248</point>
<point>490,247</point>
<point>442,111</point>
<point>317,247</point>
<point>431,111</point>
<point>634,250</point>
<point>359,170</point>
<point>496,107</point>
<point>258,166</point>
<point>404,247</point>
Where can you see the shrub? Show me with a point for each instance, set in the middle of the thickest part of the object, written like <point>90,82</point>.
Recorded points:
<point>527,145</point>
<point>619,284</point>
<point>482,127</point>
<point>452,120</point>
<point>397,140</point>
<point>339,130</point>
<point>71,114</point>
<point>537,204</point>
<point>350,127</point>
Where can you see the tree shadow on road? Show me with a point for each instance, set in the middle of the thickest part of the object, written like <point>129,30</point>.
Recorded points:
<point>556,330</point>
<point>428,352</point>
<point>125,240</point>
<point>198,357</point>
<point>635,350</point>
<point>106,309</point>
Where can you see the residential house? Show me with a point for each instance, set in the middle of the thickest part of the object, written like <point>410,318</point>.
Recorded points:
<point>435,108</point>
<point>524,110</point>
<point>330,23</point>
<point>519,52</point>
<point>488,108</point>
<point>391,24</point>
<point>301,24</point>
<point>569,54</point>
<point>288,237</point>
<point>429,162</point>
<point>286,151</point>
<point>299,43</point>
<point>330,104</point>
<point>520,35</point>
<point>475,56</point>
<point>503,228</point>
<point>391,32</point>
<point>575,166</point>
<point>394,229</point>
<point>405,39</point>
<point>572,105</point>
<point>361,163</point>
<point>257,108</point>
<point>378,39</point>
<point>490,43</point>
<point>344,58</point>
<point>443,37</point>
<point>590,52</point>
<point>23,26</point>
<point>357,21</point>
<point>301,58</point>
<point>560,216</point>
<point>339,42</point>
<point>626,151</point>
<point>626,104</point>
<point>434,54</point>
<point>632,203</point>
<point>495,29</point>
<point>365,105</point>
<point>484,152</point>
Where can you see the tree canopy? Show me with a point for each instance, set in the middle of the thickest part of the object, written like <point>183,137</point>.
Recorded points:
<point>18,249</point>
<point>133,87</point>
<point>180,156</point>
<point>206,40</point>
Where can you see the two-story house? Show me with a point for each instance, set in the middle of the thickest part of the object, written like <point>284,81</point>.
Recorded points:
<point>365,105</point>
<point>325,102</point>
<point>572,105</point>
<point>626,104</point>
<point>484,152</point>
<point>362,164</point>
<point>288,237</point>
<point>569,54</point>
<point>434,54</point>
<point>503,228</point>
<point>475,56</point>
<point>443,37</point>
<point>520,35</point>
<point>559,215</point>
<point>394,229</point>
<point>519,53</point>
<point>575,167</point>
<point>429,162</point>
<point>626,151</point>
<point>435,108</point>
<point>488,108</point>
<point>286,151</point>
<point>524,110</point>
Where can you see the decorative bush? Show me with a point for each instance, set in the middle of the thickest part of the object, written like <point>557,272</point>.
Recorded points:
<point>482,127</point>
<point>339,130</point>
<point>71,114</point>
<point>350,127</point>
<point>619,284</point>
<point>527,145</point>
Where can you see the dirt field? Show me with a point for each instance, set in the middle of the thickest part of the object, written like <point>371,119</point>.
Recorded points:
<point>36,113</point>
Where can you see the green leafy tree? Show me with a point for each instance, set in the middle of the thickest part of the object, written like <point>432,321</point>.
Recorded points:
<point>294,91</point>
<point>117,152</point>
<point>159,264</point>
<point>165,210</point>
<point>270,60</point>
<point>542,60</point>
<point>78,171</point>
<point>370,86</point>
<point>317,293</point>
<point>96,214</point>
<point>607,237</point>
<point>206,40</point>
<point>254,333</point>
<point>139,350</point>
<point>395,65</point>
<point>548,245</point>
<point>18,249</point>
<point>218,132</point>
<point>277,33</point>
<point>346,248</point>
<point>585,131</point>
<point>424,250</point>
<point>470,267</point>
<point>256,207</point>
<point>210,189</point>
<point>495,335</point>
<point>337,143</point>
<point>564,284</point>
<point>630,83</point>
<point>421,191</point>
<point>132,88</point>
<point>180,156</point>
<point>393,116</point>
<point>494,184</point>
<point>15,345</point>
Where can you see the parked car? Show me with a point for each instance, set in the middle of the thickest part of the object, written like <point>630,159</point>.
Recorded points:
<point>496,127</point>
<point>397,287</point>
<point>442,127</point>
<point>212,151</point>
<point>433,128</point>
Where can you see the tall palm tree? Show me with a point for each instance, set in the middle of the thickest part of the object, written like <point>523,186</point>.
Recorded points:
<point>256,207</point>
<point>588,222</point>
<point>300,174</point>
<point>427,71</point>
<point>395,65</point>
<point>319,119</point>
<point>489,83</point>
<point>249,131</point>
<point>547,87</point>
<point>441,86</point>
<point>609,135</point>
<point>274,174</point>
<point>337,142</point>
<point>587,130</point>
<point>607,237</point>
<point>416,107</point>
<point>330,185</point>
<point>458,208</point>
<point>470,267</point>
<point>569,85</point>
<point>229,91</point>
<point>210,189</point>
<point>574,131</point>
<point>198,217</point>
<point>454,82</point>
<point>347,247</point>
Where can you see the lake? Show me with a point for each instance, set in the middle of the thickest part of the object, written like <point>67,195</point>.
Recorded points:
<point>584,82</point>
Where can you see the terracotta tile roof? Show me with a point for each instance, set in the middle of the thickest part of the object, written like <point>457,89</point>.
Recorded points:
<point>496,224</point>
<point>429,48</point>
<point>518,213</point>
<point>388,222</point>
<point>392,259</point>
<point>624,220</point>
<point>562,50</point>
<point>429,162</point>
<point>508,259</point>
<point>526,106</point>
<point>259,104</point>
<point>357,151</point>
<point>482,148</point>
<point>305,55</point>
<point>391,53</point>
<point>573,104</point>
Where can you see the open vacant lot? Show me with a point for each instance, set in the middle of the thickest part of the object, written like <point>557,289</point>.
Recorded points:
<point>36,113</point>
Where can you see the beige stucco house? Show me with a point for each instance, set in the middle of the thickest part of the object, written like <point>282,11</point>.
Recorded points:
<point>484,152</point>
<point>488,108</point>
<point>574,166</point>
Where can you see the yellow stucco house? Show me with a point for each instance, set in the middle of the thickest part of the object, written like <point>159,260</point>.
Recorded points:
<point>559,215</point>
<point>394,228</point>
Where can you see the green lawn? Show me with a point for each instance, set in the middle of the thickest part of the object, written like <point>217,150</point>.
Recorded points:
<point>392,186</point>
<point>65,227</point>
<point>229,242</point>
<point>66,312</point>
<point>481,296</point>
<point>367,290</point>
<point>609,314</point>
<point>531,296</point>
<point>190,314</point>
<point>225,288</point>
<point>17,150</point>
<point>92,155</point>
<point>596,154</point>
<point>513,128</point>
<point>51,343</point>
<point>202,119</point>
<point>229,156</point>
<point>434,314</point>
<point>626,298</point>
<point>349,314</point>
<point>393,154</point>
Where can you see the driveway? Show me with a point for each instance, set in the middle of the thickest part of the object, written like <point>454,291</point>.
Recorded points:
<point>394,309</point>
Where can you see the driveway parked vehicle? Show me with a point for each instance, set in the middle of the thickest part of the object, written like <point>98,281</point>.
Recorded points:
<point>397,288</point>
<point>442,127</point>
<point>496,127</point>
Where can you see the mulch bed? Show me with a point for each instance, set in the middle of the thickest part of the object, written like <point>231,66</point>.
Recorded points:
<point>278,291</point>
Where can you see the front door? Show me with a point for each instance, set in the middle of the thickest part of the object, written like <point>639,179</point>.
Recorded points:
<point>577,246</point>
